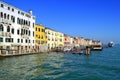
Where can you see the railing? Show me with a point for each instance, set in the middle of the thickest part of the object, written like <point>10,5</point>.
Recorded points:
<point>1,33</point>
<point>16,52</point>
<point>5,34</point>
<point>9,22</point>
<point>24,36</point>
<point>24,26</point>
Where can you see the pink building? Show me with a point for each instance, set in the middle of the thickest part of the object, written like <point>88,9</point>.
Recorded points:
<point>67,40</point>
<point>76,41</point>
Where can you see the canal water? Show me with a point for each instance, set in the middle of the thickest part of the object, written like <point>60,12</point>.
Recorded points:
<point>99,65</point>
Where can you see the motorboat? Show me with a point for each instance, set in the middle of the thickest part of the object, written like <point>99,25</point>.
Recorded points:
<point>111,44</point>
<point>97,48</point>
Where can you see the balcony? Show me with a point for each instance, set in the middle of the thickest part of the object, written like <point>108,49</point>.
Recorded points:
<point>1,33</point>
<point>7,34</point>
<point>5,21</point>
<point>25,36</point>
<point>25,27</point>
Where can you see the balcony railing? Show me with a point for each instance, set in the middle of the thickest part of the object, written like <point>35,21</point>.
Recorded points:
<point>1,33</point>
<point>9,22</point>
<point>5,34</point>
<point>24,26</point>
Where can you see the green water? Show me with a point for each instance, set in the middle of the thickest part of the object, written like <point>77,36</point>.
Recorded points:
<point>103,65</point>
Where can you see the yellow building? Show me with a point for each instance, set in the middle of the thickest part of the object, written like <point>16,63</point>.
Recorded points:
<point>54,38</point>
<point>60,39</point>
<point>40,37</point>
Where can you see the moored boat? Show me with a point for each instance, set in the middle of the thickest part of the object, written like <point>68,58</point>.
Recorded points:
<point>111,44</point>
<point>97,48</point>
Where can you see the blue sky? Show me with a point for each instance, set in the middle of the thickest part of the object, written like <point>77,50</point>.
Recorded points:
<point>93,19</point>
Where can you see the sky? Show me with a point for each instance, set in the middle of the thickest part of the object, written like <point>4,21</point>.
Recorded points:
<point>91,19</point>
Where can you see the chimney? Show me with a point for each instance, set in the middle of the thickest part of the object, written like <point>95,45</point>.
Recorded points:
<point>30,11</point>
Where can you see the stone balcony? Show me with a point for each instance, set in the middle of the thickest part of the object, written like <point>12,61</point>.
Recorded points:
<point>6,21</point>
<point>5,34</point>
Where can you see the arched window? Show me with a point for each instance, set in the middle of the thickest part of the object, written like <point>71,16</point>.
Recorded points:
<point>18,20</point>
<point>24,31</point>
<point>13,20</point>
<point>8,16</point>
<point>8,28</point>
<point>4,15</point>
<point>1,27</point>
<point>29,23</point>
<point>1,14</point>
<point>29,32</point>
<point>24,22</point>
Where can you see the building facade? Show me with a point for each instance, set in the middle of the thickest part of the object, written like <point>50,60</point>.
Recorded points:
<point>60,39</point>
<point>50,35</point>
<point>40,38</point>
<point>16,28</point>
<point>54,39</point>
<point>67,40</point>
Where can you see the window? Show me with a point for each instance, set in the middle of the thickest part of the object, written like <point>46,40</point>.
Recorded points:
<point>18,40</point>
<point>21,21</point>
<point>22,32</point>
<point>18,32</point>
<point>36,29</point>
<point>39,36</point>
<point>33,41</point>
<point>12,30</point>
<point>22,13</point>
<point>43,30</point>
<point>36,35</point>
<point>26,32</point>
<point>8,28</point>
<point>39,29</point>
<point>18,20</point>
<point>21,40</point>
<point>1,39</point>
<point>4,15</point>
<point>42,37</point>
<point>12,10</point>
<point>1,28</point>
<point>1,14</point>
<point>18,12</point>
<point>26,40</point>
<point>29,41</point>
<point>8,8</point>
<point>29,23</point>
<point>13,18</point>
<point>24,22</point>
<point>29,32</point>
<point>8,39</point>
<point>33,34</point>
<point>33,25</point>
<point>8,16</point>
<point>2,5</point>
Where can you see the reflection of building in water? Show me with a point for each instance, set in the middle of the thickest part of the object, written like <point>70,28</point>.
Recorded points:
<point>56,60</point>
<point>47,62</point>
<point>40,62</point>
